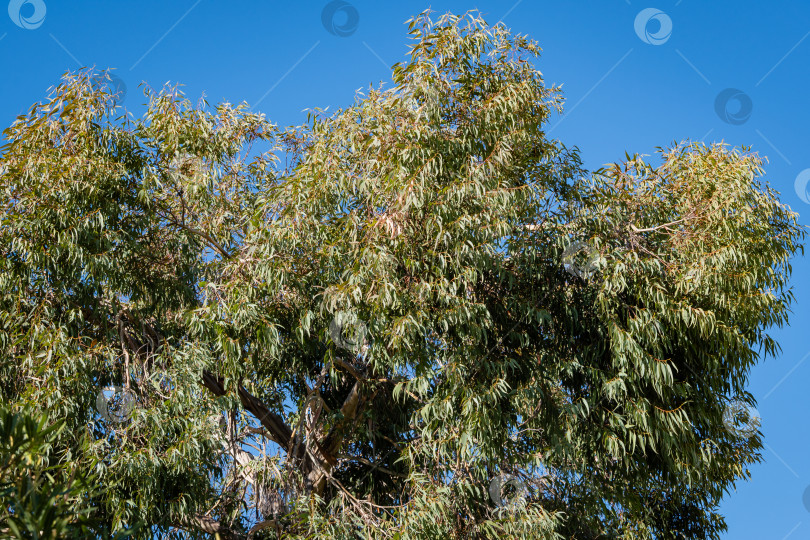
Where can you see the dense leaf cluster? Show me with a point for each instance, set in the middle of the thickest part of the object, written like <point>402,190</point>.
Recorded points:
<point>351,328</point>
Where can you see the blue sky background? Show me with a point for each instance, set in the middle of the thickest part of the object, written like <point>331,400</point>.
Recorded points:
<point>626,91</point>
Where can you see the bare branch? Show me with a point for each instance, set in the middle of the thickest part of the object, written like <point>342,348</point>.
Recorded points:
<point>278,431</point>
<point>650,229</point>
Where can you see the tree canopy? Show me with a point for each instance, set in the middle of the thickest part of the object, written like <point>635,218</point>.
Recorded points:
<point>415,317</point>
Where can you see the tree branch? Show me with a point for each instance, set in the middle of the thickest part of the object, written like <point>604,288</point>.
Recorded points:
<point>278,431</point>
<point>202,234</point>
<point>650,229</point>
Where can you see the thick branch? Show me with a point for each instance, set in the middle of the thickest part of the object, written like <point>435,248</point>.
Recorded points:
<point>279,432</point>
<point>333,441</point>
<point>348,367</point>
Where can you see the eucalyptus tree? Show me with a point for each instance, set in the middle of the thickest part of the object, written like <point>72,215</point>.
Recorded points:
<point>416,317</point>
<point>41,494</point>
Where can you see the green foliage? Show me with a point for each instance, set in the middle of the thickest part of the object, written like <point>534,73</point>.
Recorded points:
<point>41,494</point>
<point>210,264</point>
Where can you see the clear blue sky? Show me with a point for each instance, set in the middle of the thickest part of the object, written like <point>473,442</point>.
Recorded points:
<point>626,90</point>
